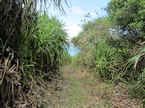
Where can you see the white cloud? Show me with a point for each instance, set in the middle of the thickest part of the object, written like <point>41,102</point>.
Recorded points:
<point>78,10</point>
<point>93,14</point>
<point>73,30</point>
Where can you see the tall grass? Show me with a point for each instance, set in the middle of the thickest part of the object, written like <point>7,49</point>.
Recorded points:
<point>52,40</point>
<point>105,60</point>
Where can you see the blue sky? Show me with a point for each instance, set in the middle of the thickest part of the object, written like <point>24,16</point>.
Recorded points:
<point>77,12</point>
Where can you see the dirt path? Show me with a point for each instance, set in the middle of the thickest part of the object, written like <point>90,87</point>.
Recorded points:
<point>77,90</point>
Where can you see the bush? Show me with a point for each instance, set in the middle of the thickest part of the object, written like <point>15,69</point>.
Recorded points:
<point>129,16</point>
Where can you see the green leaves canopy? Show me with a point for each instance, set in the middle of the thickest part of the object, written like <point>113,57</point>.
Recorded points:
<point>129,16</point>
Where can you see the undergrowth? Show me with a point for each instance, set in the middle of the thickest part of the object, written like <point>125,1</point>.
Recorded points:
<point>112,56</point>
<point>32,46</point>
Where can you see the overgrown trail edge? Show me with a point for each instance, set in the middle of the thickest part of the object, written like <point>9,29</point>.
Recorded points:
<point>77,89</point>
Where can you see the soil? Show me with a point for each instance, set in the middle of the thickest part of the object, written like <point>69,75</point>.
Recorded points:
<point>78,89</point>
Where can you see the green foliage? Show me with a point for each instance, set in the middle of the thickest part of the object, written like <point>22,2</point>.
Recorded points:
<point>76,60</point>
<point>129,16</point>
<point>66,58</point>
<point>87,40</point>
<point>105,60</point>
<point>52,39</point>
<point>137,88</point>
<point>74,40</point>
<point>18,19</point>
<point>105,47</point>
<point>37,42</point>
<point>137,75</point>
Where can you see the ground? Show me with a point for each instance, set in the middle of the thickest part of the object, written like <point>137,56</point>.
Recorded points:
<point>78,89</point>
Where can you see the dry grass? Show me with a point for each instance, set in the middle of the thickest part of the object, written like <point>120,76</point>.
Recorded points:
<point>77,90</point>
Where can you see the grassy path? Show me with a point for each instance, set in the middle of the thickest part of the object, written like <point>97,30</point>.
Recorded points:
<point>76,90</point>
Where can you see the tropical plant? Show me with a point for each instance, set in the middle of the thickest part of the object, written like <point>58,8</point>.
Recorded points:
<point>128,17</point>
<point>51,43</point>
<point>138,73</point>
<point>20,34</point>
<point>18,19</point>
<point>11,94</point>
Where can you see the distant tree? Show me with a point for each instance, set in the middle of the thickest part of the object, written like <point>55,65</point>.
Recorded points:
<point>129,16</point>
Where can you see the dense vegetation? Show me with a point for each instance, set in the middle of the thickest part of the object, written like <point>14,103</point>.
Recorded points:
<point>114,46</point>
<point>32,46</point>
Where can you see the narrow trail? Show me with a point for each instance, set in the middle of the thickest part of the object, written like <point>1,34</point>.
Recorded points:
<point>77,90</point>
